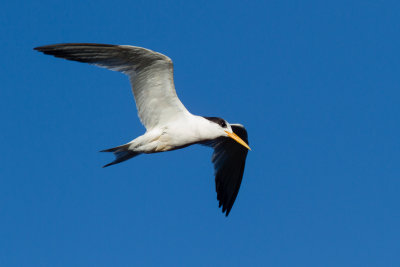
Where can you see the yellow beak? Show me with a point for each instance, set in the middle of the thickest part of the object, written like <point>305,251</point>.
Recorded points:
<point>238,139</point>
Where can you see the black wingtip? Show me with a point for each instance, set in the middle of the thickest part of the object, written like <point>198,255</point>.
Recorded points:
<point>43,48</point>
<point>38,48</point>
<point>226,211</point>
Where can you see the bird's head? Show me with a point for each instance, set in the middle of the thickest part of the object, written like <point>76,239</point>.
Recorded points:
<point>224,129</point>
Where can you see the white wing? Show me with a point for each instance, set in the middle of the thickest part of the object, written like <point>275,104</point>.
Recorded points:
<point>150,73</point>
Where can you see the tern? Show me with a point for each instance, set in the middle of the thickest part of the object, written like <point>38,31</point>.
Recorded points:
<point>169,125</point>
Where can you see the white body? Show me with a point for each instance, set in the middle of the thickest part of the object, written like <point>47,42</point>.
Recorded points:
<point>186,130</point>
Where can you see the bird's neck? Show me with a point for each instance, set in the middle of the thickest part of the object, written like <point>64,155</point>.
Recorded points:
<point>203,129</point>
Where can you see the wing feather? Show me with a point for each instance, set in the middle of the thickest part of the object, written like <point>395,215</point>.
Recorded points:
<point>150,73</point>
<point>229,159</point>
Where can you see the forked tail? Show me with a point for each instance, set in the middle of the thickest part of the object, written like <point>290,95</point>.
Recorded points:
<point>121,153</point>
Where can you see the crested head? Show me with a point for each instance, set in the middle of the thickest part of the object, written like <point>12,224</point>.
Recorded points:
<point>221,124</point>
<point>223,129</point>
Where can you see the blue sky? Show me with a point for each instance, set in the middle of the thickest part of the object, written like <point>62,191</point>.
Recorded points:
<point>316,84</point>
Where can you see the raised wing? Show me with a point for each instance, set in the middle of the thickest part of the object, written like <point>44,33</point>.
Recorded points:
<point>150,73</point>
<point>229,159</point>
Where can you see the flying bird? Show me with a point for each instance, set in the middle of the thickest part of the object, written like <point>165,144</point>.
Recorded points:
<point>169,125</point>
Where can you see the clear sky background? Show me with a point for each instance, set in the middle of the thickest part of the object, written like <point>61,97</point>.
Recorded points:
<point>316,83</point>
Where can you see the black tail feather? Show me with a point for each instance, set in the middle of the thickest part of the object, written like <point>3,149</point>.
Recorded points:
<point>121,153</point>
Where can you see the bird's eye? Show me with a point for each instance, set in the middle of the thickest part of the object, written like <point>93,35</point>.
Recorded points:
<point>223,124</point>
